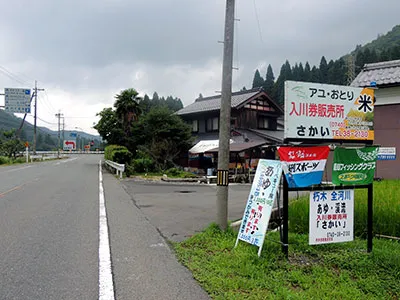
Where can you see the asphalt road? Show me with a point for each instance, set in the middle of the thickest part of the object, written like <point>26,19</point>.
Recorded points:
<point>180,210</point>
<point>49,233</point>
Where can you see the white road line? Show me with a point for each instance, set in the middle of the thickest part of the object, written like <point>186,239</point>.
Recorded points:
<point>13,170</point>
<point>106,287</point>
<point>65,161</point>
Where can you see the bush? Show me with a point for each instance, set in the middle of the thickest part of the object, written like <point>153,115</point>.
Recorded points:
<point>108,151</point>
<point>118,154</point>
<point>4,160</point>
<point>123,156</point>
<point>19,160</point>
<point>142,165</point>
<point>173,172</point>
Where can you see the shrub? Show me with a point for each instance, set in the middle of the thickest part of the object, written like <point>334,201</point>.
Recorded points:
<point>19,160</point>
<point>4,160</point>
<point>108,151</point>
<point>142,165</point>
<point>122,156</point>
<point>173,172</point>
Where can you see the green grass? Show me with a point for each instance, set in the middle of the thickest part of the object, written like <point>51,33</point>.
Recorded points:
<point>334,271</point>
<point>386,210</point>
<point>4,160</point>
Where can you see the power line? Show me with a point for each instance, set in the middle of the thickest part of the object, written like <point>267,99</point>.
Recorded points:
<point>47,122</point>
<point>49,102</point>
<point>258,22</point>
<point>12,76</point>
<point>42,100</point>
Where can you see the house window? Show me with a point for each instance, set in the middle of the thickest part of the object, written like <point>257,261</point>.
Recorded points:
<point>263,123</point>
<point>195,126</point>
<point>212,124</point>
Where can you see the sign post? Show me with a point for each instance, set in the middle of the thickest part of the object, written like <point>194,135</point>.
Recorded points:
<point>323,113</point>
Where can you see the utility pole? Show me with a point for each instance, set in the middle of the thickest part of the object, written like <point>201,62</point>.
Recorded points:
<point>59,115</point>
<point>63,136</point>
<point>35,117</point>
<point>225,118</point>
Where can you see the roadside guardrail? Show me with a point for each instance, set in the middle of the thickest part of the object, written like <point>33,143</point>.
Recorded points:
<point>120,168</point>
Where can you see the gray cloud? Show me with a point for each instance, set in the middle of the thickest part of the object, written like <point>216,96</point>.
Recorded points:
<point>96,48</point>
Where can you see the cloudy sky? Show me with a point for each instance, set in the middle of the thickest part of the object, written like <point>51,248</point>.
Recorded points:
<point>83,52</point>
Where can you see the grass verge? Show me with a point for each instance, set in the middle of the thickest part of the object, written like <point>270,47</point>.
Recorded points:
<point>334,271</point>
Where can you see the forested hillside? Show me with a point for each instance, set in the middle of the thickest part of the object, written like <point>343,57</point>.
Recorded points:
<point>340,71</point>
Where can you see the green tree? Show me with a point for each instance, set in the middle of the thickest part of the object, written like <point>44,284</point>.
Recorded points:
<point>315,75</point>
<point>145,104</point>
<point>10,145</point>
<point>307,72</point>
<point>258,81</point>
<point>155,101</point>
<point>127,108</point>
<point>301,72</point>
<point>110,128</point>
<point>285,74</point>
<point>323,70</point>
<point>162,135</point>
<point>269,81</point>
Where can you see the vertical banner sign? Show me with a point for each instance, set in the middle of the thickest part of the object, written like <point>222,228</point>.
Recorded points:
<point>260,202</point>
<point>303,166</point>
<point>328,112</point>
<point>354,166</point>
<point>331,216</point>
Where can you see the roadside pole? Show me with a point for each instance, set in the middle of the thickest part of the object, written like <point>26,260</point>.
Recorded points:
<point>225,117</point>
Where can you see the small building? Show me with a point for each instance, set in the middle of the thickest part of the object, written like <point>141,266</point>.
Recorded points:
<point>256,119</point>
<point>385,76</point>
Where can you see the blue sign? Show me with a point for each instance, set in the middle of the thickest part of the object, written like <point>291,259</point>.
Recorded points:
<point>73,134</point>
<point>386,157</point>
<point>386,153</point>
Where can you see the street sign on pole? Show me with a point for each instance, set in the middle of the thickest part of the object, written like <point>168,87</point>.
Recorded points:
<point>69,145</point>
<point>17,100</point>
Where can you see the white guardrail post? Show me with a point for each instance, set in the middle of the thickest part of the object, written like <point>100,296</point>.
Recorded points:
<point>120,168</point>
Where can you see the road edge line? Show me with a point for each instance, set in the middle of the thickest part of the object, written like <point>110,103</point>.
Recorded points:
<point>106,285</point>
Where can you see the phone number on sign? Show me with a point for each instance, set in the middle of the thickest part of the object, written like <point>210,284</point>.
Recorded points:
<point>350,133</point>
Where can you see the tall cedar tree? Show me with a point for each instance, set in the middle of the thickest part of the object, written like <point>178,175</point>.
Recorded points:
<point>258,81</point>
<point>269,81</point>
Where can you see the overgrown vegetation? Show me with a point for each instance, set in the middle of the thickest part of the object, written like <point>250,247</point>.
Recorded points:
<point>10,146</point>
<point>333,271</point>
<point>153,136</point>
<point>386,210</point>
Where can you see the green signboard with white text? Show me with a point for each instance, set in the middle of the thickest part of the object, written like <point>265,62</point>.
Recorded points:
<point>354,166</point>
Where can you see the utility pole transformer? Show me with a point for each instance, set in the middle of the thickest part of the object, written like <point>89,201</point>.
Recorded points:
<point>225,118</point>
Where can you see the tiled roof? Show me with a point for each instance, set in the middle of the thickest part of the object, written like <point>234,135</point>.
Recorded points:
<point>382,73</point>
<point>214,103</point>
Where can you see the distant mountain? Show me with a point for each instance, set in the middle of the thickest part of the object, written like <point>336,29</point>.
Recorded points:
<point>383,42</point>
<point>341,71</point>
<point>46,139</point>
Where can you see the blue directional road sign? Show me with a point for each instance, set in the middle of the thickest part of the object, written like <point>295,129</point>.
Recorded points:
<point>17,100</point>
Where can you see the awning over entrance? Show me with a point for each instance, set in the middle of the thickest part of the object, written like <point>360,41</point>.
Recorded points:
<point>240,147</point>
<point>205,146</point>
